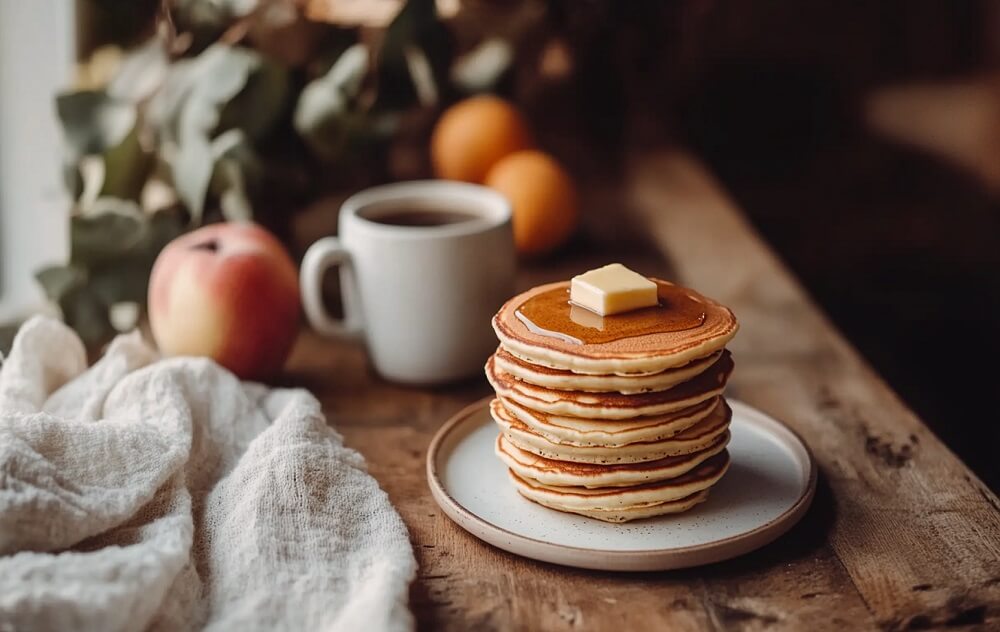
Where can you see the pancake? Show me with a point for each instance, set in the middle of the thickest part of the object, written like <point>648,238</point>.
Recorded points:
<point>638,513</point>
<point>602,432</point>
<point>704,386</point>
<point>694,439</point>
<point>562,380</point>
<point>609,501</point>
<point>567,474</point>
<point>644,353</point>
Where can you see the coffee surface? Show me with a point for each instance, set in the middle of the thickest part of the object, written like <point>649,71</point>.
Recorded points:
<point>421,217</point>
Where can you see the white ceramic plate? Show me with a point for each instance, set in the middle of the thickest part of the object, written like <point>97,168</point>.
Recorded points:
<point>768,488</point>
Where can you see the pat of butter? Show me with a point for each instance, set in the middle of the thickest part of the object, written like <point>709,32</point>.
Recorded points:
<point>612,289</point>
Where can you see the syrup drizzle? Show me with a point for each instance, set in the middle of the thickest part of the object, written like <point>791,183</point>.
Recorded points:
<point>551,314</point>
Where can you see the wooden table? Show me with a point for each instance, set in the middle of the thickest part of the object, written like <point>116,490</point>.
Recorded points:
<point>901,534</point>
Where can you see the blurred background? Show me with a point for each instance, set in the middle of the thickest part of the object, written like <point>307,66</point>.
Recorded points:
<point>862,139</point>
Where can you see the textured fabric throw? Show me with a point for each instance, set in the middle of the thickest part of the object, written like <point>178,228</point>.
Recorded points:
<point>147,494</point>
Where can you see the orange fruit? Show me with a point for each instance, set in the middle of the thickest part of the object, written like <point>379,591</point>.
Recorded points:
<point>472,135</point>
<point>543,199</point>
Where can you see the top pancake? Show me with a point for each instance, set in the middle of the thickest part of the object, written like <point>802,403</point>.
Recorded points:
<point>643,353</point>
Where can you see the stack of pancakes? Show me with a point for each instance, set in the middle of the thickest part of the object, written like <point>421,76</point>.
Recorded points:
<point>618,429</point>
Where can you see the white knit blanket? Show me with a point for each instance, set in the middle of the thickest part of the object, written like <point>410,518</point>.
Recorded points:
<point>147,494</point>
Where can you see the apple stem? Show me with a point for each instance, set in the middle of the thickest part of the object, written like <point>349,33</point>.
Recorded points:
<point>212,245</point>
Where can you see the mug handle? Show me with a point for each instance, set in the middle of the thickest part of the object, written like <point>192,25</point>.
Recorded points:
<point>320,257</point>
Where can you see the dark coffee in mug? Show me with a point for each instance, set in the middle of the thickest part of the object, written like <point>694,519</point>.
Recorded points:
<point>421,217</point>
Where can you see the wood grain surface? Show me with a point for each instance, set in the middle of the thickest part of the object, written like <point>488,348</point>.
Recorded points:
<point>901,535</point>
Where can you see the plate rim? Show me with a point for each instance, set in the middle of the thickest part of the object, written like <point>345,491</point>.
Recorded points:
<point>636,560</point>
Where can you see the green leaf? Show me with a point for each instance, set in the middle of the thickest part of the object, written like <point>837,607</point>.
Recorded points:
<point>87,314</point>
<point>257,106</point>
<point>142,72</point>
<point>234,200</point>
<point>236,173</point>
<point>211,14</point>
<point>234,144</point>
<point>164,226</point>
<point>416,18</point>
<point>113,250</point>
<point>226,87</point>
<point>111,229</point>
<point>481,69</point>
<point>422,75</point>
<point>118,230</point>
<point>93,122</point>
<point>57,281</point>
<point>403,75</point>
<point>126,167</point>
<point>102,129</point>
<point>164,108</point>
<point>192,173</point>
<point>324,114</point>
<point>195,89</point>
<point>125,280</point>
<point>220,73</point>
<point>90,170</point>
<point>82,308</point>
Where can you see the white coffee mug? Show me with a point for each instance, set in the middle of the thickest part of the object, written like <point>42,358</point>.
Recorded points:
<point>424,265</point>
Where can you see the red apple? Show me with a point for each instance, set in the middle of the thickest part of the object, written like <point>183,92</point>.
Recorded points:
<point>229,292</point>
